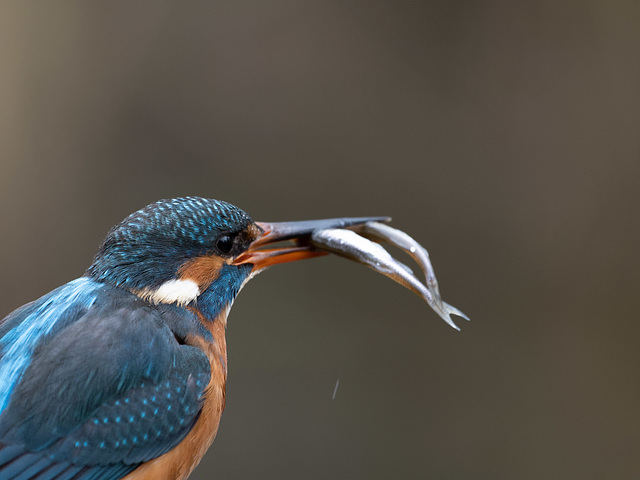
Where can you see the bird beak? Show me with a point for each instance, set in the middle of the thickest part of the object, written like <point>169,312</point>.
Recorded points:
<point>291,241</point>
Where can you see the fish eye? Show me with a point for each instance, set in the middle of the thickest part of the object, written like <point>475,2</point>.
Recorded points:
<point>224,243</point>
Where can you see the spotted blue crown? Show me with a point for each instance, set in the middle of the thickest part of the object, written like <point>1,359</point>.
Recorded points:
<point>147,248</point>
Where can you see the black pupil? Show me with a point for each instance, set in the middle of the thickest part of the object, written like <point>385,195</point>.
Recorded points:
<point>224,243</point>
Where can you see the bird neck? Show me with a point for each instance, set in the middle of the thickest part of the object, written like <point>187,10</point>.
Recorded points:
<point>218,298</point>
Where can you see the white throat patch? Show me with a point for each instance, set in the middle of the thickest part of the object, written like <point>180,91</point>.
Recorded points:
<point>181,292</point>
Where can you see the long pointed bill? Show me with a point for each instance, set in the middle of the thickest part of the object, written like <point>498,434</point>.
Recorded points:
<point>294,239</point>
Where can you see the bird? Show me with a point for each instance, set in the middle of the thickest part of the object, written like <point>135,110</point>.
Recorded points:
<point>121,373</point>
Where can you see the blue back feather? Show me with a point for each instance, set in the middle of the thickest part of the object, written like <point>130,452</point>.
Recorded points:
<point>100,382</point>
<point>28,326</point>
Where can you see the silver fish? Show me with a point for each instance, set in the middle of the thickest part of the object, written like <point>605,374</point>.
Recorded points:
<point>350,245</point>
<point>380,232</point>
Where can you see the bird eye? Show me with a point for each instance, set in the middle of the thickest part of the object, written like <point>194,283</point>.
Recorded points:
<point>224,244</point>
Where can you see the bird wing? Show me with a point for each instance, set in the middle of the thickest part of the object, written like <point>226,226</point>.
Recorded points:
<point>99,386</point>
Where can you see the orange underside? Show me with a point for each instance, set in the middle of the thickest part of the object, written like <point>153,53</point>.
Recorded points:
<point>178,463</point>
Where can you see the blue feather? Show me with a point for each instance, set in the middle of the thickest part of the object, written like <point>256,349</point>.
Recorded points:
<point>223,291</point>
<point>36,322</point>
<point>106,384</point>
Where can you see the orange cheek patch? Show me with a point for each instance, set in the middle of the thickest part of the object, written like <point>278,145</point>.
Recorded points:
<point>202,270</point>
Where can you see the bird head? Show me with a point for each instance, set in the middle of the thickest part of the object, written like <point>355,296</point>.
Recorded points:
<point>185,250</point>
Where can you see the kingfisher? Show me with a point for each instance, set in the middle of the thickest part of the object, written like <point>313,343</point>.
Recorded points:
<point>121,373</point>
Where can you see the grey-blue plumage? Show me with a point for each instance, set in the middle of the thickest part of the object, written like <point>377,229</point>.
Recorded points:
<point>106,387</point>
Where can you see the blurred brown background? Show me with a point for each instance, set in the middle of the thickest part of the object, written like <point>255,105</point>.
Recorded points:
<point>505,136</point>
